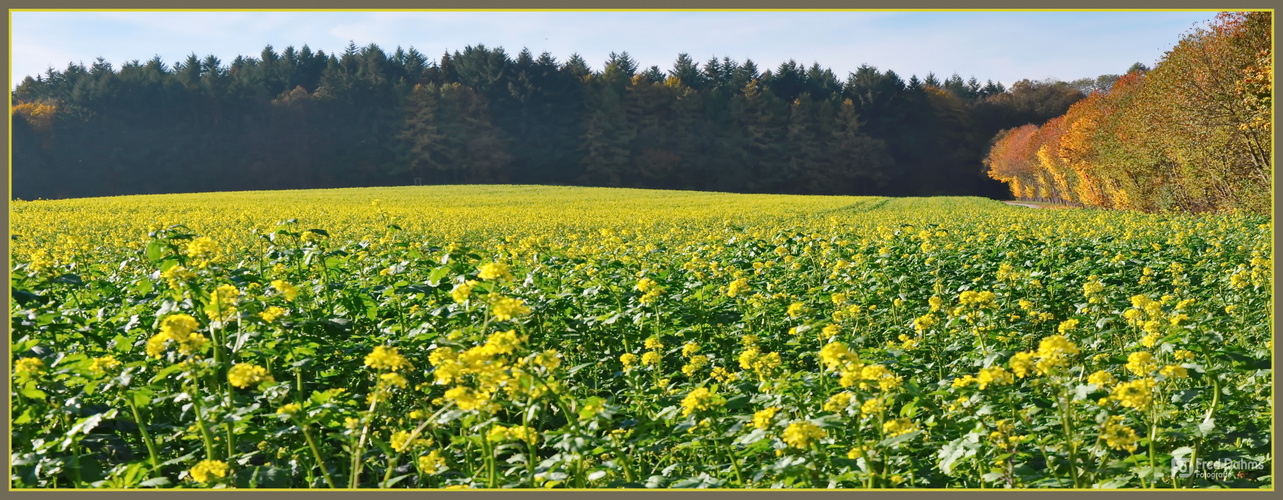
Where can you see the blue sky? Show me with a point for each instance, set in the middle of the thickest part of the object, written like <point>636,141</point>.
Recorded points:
<point>1002,46</point>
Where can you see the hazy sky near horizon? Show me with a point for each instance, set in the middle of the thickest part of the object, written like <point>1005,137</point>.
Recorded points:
<point>1001,46</point>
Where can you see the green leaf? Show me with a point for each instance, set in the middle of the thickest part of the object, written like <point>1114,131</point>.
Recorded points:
<point>87,424</point>
<point>437,274</point>
<point>1206,427</point>
<point>166,371</point>
<point>69,279</point>
<point>24,418</point>
<point>391,482</point>
<point>1184,396</point>
<point>892,441</point>
<point>958,449</point>
<point>263,477</point>
<point>141,397</point>
<point>752,437</point>
<point>907,410</point>
<point>154,250</point>
<point>155,482</point>
<point>32,392</point>
<point>736,402</point>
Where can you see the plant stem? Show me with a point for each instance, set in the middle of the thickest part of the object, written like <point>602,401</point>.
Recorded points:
<point>1041,446</point>
<point>200,424</point>
<point>491,475</point>
<point>1138,474</point>
<point>1073,449</point>
<point>1153,464</point>
<point>231,439</point>
<point>387,473</point>
<point>392,461</point>
<point>316,453</point>
<point>530,443</point>
<point>1193,459</point>
<point>355,478</point>
<point>142,428</point>
<point>75,456</point>
<point>739,475</point>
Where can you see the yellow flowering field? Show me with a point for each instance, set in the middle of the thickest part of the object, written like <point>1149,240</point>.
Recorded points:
<point>543,337</point>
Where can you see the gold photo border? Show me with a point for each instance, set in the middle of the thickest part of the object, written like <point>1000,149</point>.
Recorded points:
<point>582,5</point>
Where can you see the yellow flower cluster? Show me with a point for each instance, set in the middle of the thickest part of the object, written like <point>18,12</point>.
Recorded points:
<point>885,379</point>
<point>1102,378</point>
<point>1093,290</point>
<point>176,275</point>
<point>401,441</point>
<point>837,355</point>
<point>100,366</point>
<point>764,365</point>
<point>270,314</point>
<point>1022,363</point>
<point>289,409</point>
<point>243,375</point>
<point>839,402</point>
<point>1141,363</point>
<point>762,418</point>
<point>737,287</point>
<point>695,364</point>
<point>462,291</point>
<point>392,379</point>
<point>432,463</point>
<point>506,308</point>
<point>202,249</point>
<point>649,289</point>
<point>1148,315</point>
<point>976,299</point>
<point>850,312</point>
<point>994,376</point>
<point>925,322</point>
<point>28,367</point>
<point>484,366</point>
<point>222,302</point>
<point>1173,372</point>
<point>206,470</point>
<point>495,271</point>
<point>386,358</point>
<point>1119,436</point>
<point>1053,352</point>
<point>290,292</point>
<point>1137,394</point>
<point>467,398</point>
<point>179,329</point>
<point>700,400</point>
<point>722,375</point>
<point>828,332</point>
<point>898,426</point>
<point>499,434</point>
<point>548,360</point>
<point>802,435</point>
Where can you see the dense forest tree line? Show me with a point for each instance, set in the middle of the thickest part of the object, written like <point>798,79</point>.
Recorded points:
<point>1194,134</point>
<point>304,119</point>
